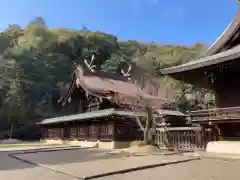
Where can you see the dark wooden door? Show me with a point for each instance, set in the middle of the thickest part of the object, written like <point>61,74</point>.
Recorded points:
<point>66,133</point>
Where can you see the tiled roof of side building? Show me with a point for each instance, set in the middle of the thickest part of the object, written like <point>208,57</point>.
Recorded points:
<point>91,115</point>
<point>223,39</point>
<point>218,52</point>
<point>205,61</point>
<point>106,112</point>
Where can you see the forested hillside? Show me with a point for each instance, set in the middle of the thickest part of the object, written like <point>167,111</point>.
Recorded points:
<point>36,62</point>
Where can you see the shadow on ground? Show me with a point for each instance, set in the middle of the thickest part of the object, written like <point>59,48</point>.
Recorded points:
<point>52,158</point>
<point>9,163</point>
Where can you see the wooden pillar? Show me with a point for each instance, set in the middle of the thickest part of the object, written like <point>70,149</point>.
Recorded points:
<point>98,130</point>
<point>73,131</point>
<point>62,133</point>
<point>76,132</point>
<point>219,133</point>
<point>113,122</point>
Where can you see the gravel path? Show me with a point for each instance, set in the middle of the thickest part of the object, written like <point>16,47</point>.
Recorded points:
<point>193,170</point>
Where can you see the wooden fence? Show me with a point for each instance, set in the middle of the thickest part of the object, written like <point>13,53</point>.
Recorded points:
<point>231,113</point>
<point>184,138</point>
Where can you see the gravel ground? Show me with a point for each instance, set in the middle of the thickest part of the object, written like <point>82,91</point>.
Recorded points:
<point>194,170</point>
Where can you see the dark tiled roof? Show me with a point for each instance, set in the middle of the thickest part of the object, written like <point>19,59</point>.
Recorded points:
<point>170,113</point>
<point>91,115</point>
<point>224,56</point>
<point>216,53</point>
<point>229,32</point>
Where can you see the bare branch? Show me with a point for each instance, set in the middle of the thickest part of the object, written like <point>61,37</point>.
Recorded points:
<point>138,120</point>
<point>154,120</point>
<point>80,70</point>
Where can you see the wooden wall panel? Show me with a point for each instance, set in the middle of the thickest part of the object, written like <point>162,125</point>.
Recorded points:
<point>121,129</point>
<point>106,131</point>
<point>126,129</point>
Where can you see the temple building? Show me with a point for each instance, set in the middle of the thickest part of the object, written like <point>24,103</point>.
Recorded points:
<point>218,70</point>
<point>101,106</point>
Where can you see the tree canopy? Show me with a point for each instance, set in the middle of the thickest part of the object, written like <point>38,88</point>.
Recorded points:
<point>36,62</point>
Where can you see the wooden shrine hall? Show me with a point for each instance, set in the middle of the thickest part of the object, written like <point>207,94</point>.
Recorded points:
<point>218,70</point>
<point>100,105</point>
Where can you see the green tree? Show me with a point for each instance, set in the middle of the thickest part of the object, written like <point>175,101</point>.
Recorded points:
<point>36,63</point>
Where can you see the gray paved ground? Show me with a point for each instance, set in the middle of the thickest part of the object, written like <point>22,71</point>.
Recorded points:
<point>12,169</point>
<point>34,147</point>
<point>193,170</point>
<point>68,156</point>
<point>91,162</point>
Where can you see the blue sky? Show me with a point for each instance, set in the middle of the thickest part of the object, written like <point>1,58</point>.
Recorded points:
<point>163,21</point>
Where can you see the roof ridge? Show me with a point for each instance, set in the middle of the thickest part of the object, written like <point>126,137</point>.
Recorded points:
<point>231,53</point>
<point>73,117</point>
<point>225,36</point>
